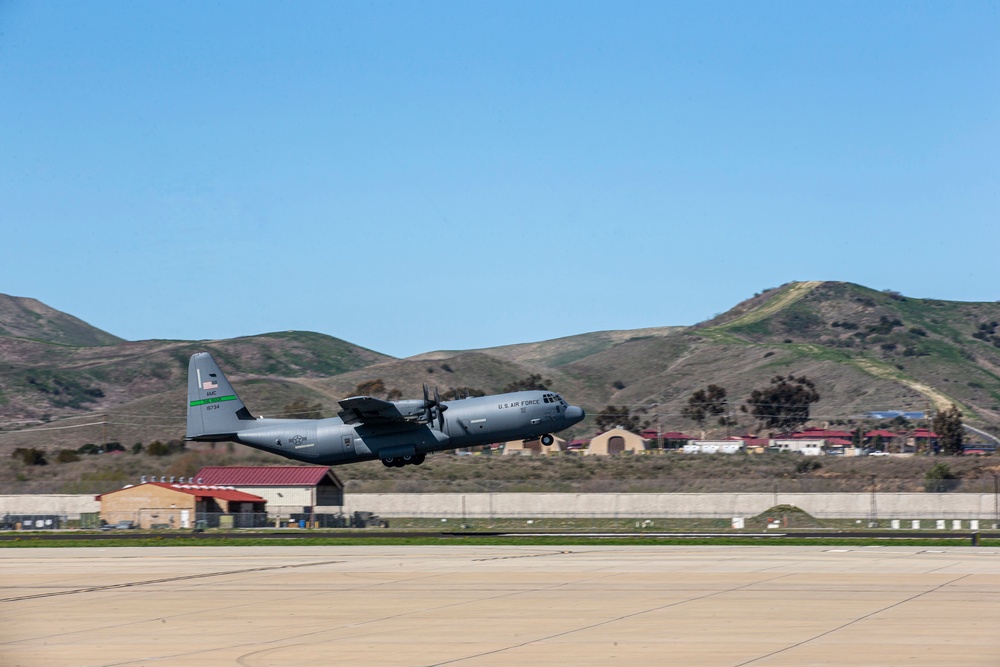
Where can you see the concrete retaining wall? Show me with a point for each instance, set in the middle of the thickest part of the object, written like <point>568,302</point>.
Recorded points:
<point>667,505</point>
<point>602,505</point>
<point>64,504</point>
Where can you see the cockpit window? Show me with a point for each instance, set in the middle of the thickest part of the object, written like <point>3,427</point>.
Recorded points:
<point>554,398</point>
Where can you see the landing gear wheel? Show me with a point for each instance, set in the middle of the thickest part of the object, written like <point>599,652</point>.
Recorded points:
<point>390,462</point>
<point>418,459</point>
<point>547,439</point>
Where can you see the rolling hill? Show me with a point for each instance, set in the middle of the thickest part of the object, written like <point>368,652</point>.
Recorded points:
<point>32,319</point>
<point>864,349</point>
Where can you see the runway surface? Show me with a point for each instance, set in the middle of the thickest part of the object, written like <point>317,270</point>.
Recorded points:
<point>479,606</point>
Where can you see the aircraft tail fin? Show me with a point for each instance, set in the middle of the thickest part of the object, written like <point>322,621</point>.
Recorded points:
<point>214,410</point>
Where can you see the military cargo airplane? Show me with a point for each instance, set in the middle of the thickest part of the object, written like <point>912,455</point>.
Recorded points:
<point>396,432</point>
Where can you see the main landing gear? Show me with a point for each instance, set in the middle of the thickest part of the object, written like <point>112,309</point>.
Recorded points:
<point>400,461</point>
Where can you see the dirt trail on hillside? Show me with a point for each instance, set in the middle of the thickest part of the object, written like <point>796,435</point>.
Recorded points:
<point>941,401</point>
<point>780,301</point>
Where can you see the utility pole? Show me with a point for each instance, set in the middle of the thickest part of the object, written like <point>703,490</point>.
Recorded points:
<point>996,502</point>
<point>873,522</point>
<point>659,435</point>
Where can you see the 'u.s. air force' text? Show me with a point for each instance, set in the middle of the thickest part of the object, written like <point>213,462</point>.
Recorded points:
<point>518,404</point>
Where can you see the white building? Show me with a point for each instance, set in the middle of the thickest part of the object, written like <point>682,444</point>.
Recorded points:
<point>804,446</point>
<point>714,447</point>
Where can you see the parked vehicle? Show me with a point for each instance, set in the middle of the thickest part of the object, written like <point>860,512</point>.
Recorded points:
<point>368,520</point>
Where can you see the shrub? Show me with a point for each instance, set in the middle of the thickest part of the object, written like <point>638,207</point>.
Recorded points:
<point>939,479</point>
<point>157,448</point>
<point>30,456</point>
<point>67,456</point>
<point>807,466</point>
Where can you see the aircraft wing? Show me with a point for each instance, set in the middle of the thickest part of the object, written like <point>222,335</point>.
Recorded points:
<point>368,410</point>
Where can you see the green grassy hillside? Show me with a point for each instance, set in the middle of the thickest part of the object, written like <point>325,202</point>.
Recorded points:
<point>29,318</point>
<point>864,349</point>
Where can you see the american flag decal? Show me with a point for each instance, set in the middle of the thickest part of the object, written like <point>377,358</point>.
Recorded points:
<point>210,385</point>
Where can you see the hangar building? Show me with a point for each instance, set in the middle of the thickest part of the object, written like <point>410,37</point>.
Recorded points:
<point>165,505</point>
<point>287,489</point>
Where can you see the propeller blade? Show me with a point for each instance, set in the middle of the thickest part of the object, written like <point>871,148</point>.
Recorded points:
<point>440,409</point>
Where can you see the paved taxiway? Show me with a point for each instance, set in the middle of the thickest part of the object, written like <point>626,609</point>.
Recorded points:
<point>493,606</point>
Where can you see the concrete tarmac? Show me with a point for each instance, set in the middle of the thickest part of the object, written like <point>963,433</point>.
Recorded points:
<point>479,606</point>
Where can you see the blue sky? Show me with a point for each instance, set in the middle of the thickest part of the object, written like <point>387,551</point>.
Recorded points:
<point>412,176</point>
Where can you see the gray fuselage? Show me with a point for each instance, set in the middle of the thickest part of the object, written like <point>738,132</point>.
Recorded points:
<point>522,415</point>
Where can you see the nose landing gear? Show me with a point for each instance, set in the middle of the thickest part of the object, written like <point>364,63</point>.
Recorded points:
<point>547,439</point>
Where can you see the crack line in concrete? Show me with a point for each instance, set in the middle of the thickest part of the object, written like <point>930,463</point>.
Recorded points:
<point>852,622</point>
<point>604,622</point>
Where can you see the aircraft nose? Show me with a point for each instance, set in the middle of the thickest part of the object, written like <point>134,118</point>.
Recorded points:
<point>574,414</point>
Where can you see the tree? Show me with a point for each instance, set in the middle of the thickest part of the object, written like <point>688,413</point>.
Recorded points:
<point>533,381</point>
<point>461,392</point>
<point>612,417</point>
<point>376,388</point>
<point>948,426</point>
<point>783,404</point>
<point>705,403</point>
<point>300,408</point>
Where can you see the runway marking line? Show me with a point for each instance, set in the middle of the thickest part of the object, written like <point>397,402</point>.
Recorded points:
<point>129,584</point>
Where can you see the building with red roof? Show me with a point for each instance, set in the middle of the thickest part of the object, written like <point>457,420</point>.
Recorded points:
<point>751,441</point>
<point>923,439</point>
<point>814,433</point>
<point>166,505</point>
<point>287,489</point>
